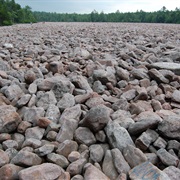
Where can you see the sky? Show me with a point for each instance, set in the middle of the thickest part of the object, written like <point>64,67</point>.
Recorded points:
<point>107,6</point>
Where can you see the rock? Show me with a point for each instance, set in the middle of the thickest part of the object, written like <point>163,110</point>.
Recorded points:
<point>47,99</point>
<point>29,76</point>
<point>96,153</point>
<point>66,101</point>
<point>67,147</point>
<point>108,166</point>
<point>13,92</point>
<point>76,167</point>
<point>129,95</point>
<point>170,127</point>
<point>44,171</point>
<point>174,67</point>
<point>172,172</point>
<point>74,156</point>
<point>97,118</point>
<point>140,73</point>
<point>94,101</point>
<point>84,136</point>
<point>67,130</point>
<point>44,150</point>
<point>32,88</point>
<point>9,120</point>
<point>152,157</point>
<point>118,136</point>
<point>53,113</point>
<point>56,67</point>
<point>32,142</point>
<point>119,162</point>
<point>32,114</point>
<point>58,159</point>
<point>34,132</point>
<point>4,158</point>
<point>160,143</point>
<point>173,144</point>
<point>100,136</point>
<point>71,113</point>
<point>147,171</point>
<point>133,156</point>
<point>176,96</point>
<point>10,171</point>
<point>23,100</point>
<point>156,75</point>
<point>25,158</point>
<point>123,74</point>
<point>91,173</point>
<point>144,121</point>
<point>80,82</point>
<point>104,76</point>
<point>9,144</point>
<point>167,158</point>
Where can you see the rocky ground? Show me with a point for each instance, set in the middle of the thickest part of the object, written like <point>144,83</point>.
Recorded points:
<point>90,101</point>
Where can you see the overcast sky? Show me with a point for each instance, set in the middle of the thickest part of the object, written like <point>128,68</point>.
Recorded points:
<point>87,6</point>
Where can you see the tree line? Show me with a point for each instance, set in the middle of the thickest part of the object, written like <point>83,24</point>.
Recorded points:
<point>161,16</point>
<point>11,13</point>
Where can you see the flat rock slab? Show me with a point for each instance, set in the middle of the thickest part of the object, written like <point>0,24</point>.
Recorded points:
<point>147,171</point>
<point>175,67</point>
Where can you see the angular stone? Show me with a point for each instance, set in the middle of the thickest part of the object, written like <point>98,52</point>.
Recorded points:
<point>140,73</point>
<point>147,171</point>
<point>35,132</point>
<point>67,147</point>
<point>172,172</point>
<point>118,136</point>
<point>96,152</point>
<point>81,82</point>
<point>167,158</point>
<point>10,144</point>
<point>32,114</point>
<point>92,173</point>
<point>59,85</point>
<point>13,92</point>
<point>10,172</point>
<point>152,157</point>
<point>76,167</point>
<point>4,158</point>
<point>84,136</point>
<point>104,76</point>
<point>123,74</point>
<point>144,121</point>
<point>53,113</point>
<point>173,144</point>
<point>67,130</point>
<point>58,159</point>
<point>176,96</point>
<point>23,100</point>
<point>156,75</point>
<point>97,118</point>
<point>160,143</point>
<point>129,95</point>
<point>32,142</point>
<point>44,150</point>
<point>44,171</point>
<point>119,162</point>
<point>108,166</point>
<point>71,113</point>
<point>25,158</point>
<point>47,99</point>
<point>133,156</point>
<point>66,101</point>
<point>9,119</point>
<point>170,127</point>
<point>23,126</point>
<point>94,101</point>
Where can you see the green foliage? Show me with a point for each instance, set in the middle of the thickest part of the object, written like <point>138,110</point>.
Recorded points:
<point>11,12</point>
<point>161,16</point>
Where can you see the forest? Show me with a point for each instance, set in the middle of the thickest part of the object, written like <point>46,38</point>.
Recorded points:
<point>12,13</point>
<point>161,16</point>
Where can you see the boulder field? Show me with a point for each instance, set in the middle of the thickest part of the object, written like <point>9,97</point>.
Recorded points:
<point>92,101</point>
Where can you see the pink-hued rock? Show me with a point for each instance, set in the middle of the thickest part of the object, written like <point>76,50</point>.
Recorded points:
<point>44,171</point>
